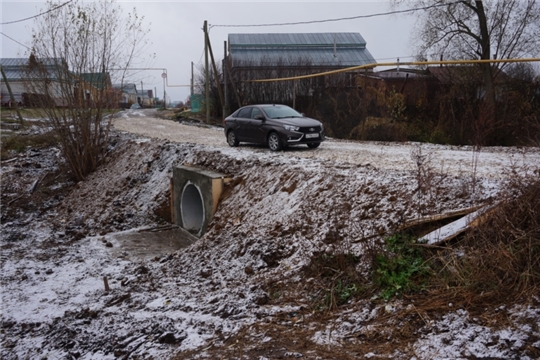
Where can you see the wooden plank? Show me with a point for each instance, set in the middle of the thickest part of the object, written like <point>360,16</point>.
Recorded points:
<point>450,231</point>
<point>437,217</point>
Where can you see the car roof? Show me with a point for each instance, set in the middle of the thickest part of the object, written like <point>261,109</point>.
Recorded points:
<point>266,105</point>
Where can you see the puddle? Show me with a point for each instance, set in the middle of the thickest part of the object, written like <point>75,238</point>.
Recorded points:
<point>146,245</point>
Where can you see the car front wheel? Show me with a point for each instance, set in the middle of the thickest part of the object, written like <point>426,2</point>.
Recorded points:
<point>232,139</point>
<point>273,142</point>
<point>313,145</point>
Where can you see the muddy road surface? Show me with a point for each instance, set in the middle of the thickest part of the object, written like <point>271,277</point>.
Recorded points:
<point>492,162</point>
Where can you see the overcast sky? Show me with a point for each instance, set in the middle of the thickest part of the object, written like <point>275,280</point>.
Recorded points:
<point>177,39</point>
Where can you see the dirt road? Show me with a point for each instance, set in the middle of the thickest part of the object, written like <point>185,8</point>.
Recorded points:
<point>494,162</point>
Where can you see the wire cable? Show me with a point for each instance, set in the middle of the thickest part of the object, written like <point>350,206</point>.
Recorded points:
<point>35,16</point>
<point>397,57</point>
<point>345,18</point>
<point>12,39</point>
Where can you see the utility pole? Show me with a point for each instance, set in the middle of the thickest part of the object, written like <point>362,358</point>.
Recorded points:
<point>216,74</point>
<point>294,94</point>
<point>11,96</point>
<point>206,79</point>
<point>225,102</point>
<point>164,76</point>
<point>229,71</point>
<point>191,92</point>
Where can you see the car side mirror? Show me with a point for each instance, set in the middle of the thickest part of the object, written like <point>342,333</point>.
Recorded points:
<point>259,117</point>
<point>303,115</point>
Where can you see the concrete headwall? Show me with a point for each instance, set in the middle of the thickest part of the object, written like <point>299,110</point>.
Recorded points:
<point>195,197</point>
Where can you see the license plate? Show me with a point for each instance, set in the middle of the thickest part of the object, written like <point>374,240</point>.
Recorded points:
<point>311,136</point>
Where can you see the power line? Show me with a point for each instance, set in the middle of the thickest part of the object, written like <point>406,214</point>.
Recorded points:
<point>35,16</point>
<point>344,18</point>
<point>200,58</point>
<point>398,57</point>
<point>12,39</point>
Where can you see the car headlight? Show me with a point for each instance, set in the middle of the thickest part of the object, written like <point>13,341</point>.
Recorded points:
<point>291,127</point>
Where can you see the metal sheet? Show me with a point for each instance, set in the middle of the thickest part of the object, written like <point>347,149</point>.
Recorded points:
<point>318,48</point>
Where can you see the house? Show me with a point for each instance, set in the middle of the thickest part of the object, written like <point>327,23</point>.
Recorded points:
<point>94,87</point>
<point>297,53</point>
<point>319,51</point>
<point>34,81</point>
<point>466,76</point>
<point>145,98</point>
<point>275,55</point>
<point>421,83</point>
<point>127,93</point>
<point>414,84</point>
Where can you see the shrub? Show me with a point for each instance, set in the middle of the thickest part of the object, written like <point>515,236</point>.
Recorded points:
<point>379,129</point>
<point>401,268</point>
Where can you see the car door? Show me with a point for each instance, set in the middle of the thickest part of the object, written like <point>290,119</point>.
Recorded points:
<point>256,131</point>
<point>242,123</point>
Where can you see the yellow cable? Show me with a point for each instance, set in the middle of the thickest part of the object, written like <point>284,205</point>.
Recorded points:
<point>442,62</point>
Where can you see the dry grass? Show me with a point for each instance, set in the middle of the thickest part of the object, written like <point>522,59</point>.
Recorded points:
<point>17,143</point>
<point>499,261</point>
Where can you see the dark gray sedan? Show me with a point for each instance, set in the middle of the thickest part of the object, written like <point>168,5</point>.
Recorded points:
<point>277,126</point>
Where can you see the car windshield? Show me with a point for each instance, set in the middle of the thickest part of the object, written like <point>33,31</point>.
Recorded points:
<point>280,112</point>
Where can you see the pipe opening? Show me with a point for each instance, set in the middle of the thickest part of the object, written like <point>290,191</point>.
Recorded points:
<point>192,209</point>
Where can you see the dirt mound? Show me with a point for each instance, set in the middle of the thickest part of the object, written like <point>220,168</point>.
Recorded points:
<point>245,287</point>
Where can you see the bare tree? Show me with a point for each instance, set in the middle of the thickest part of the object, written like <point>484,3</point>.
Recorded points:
<point>469,29</point>
<point>73,49</point>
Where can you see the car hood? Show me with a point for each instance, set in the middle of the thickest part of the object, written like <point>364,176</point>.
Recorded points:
<point>302,122</point>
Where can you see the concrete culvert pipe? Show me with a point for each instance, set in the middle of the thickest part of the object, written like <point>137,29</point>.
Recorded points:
<point>195,196</point>
<point>192,208</point>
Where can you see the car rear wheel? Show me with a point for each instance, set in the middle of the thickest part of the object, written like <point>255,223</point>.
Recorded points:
<point>273,142</point>
<point>232,139</point>
<point>313,145</point>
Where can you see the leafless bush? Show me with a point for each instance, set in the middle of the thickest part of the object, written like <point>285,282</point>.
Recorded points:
<point>426,176</point>
<point>533,129</point>
<point>77,52</point>
<point>422,161</point>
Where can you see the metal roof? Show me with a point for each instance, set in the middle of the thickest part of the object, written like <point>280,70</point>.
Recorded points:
<point>315,49</point>
<point>20,62</point>
<point>397,73</point>
<point>129,88</point>
<point>5,62</point>
<point>99,80</point>
<point>17,69</point>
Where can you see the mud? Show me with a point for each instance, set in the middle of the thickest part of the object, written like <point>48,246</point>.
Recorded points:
<point>136,245</point>
<point>242,290</point>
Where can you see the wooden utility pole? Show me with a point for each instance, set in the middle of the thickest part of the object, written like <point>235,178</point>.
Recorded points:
<point>191,88</point>
<point>229,71</point>
<point>216,74</point>
<point>206,80</point>
<point>21,121</point>
<point>226,102</point>
<point>294,94</point>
